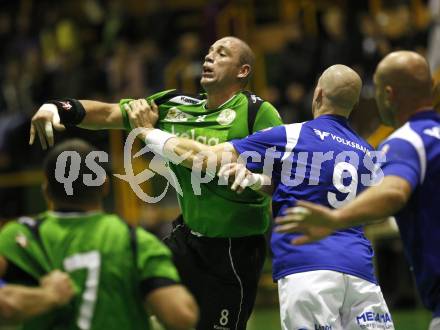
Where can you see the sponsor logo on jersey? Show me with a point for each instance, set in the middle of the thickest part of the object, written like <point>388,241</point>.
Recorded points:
<point>323,327</point>
<point>185,100</point>
<point>226,117</point>
<point>191,134</point>
<point>177,115</point>
<point>434,132</point>
<point>255,98</point>
<point>201,119</point>
<point>372,320</point>
<point>218,327</point>
<point>322,135</point>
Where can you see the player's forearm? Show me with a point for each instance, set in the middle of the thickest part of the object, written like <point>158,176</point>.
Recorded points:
<point>200,156</point>
<point>174,307</point>
<point>19,303</point>
<point>377,202</point>
<point>100,115</point>
<point>187,152</point>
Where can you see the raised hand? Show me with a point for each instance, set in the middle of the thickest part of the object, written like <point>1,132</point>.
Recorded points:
<point>43,122</point>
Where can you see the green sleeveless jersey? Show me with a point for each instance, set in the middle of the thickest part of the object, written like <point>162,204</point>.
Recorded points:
<point>109,263</point>
<point>215,210</point>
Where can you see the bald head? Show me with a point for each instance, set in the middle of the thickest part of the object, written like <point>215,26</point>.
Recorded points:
<point>246,54</point>
<point>408,72</point>
<point>341,87</point>
<point>403,86</point>
<point>227,67</point>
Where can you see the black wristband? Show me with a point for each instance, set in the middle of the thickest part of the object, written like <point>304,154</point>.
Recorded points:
<point>71,111</point>
<point>150,284</point>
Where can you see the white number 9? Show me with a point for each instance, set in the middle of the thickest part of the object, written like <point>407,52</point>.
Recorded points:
<point>350,190</point>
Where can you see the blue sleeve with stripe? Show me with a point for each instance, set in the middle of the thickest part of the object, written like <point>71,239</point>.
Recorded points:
<point>258,147</point>
<point>402,160</point>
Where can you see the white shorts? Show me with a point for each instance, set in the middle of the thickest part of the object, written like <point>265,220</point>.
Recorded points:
<point>435,324</point>
<point>329,300</point>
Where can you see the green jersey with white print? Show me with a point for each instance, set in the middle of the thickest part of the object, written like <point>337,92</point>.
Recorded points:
<point>215,210</point>
<point>113,267</point>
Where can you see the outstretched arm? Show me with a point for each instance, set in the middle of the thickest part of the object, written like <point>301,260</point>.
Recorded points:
<point>194,154</point>
<point>317,221</point>
<point>87,114</point>
<point>174,307</point>
<point>100,115</point>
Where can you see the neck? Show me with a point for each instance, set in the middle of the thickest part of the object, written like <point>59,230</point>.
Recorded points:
<point>330,111</point>
<point>407,110</point>
<point>216,98</point>
<point>76,207</point>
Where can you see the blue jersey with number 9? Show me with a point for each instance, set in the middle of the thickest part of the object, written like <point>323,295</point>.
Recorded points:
<point>322,161</point>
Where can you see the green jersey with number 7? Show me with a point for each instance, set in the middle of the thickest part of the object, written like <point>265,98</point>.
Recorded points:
<point>112,265</point>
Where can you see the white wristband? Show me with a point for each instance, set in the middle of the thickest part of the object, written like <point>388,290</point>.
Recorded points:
<point>156,140</point>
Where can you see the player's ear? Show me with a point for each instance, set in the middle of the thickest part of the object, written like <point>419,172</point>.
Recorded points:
<point>245,71</point>
<point>390,95</point>
<point>319,94</point>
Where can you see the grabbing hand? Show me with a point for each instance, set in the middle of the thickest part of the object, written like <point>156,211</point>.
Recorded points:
<point>59,286</point>
<point>43,122</point>
<point>141,113</point>
<point>314,221</point>
<point>240,177</point>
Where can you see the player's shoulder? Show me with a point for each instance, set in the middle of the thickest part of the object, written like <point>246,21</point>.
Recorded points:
<point>145,236</point>
<point>15,227</point>
<point>252,97</point>
<point>149,243</point>
<point>177,97</point>
<point>12,225</point>
<point>407,134</point>
<point>26,221</point>
<point>255,100</point>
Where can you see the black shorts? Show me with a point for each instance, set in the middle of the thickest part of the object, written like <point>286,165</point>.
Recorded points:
<point>221,273</point>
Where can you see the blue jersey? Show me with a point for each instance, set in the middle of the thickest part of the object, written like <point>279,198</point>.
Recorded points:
<point>2,283</point>
<point>322,161</point>
<point>413,153</point>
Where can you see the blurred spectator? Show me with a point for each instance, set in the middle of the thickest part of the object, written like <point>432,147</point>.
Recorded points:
<point>434,36</point>
<point>373,44</point>
<point>185,69</point>
<point>298,58</point>
<point>125,72</point>
<point>335,46</point>
<point>118,48</point>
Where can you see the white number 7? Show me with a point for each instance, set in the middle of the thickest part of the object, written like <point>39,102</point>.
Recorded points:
<point>92,262</point>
